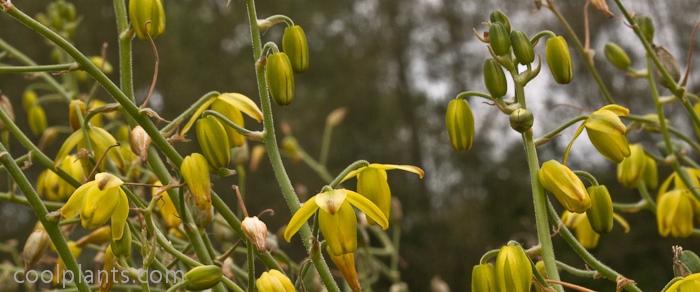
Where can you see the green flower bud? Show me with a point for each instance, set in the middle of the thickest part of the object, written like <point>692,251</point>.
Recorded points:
<point>521,120</point>
<point>670,64</point>
<point>29,99</point>
<point>499,38</point>
<point>494,79</point>
<point>631,169</point>
<point>559,59</point>
<point>513,269</point>
<point>147,18</point>
<point>202,277</point>
<point>675,214</point>
<point>37,119</point>
<point>500,17</point>
<point>646,26</point>
<point>211,136</point>
<point>294,44</point>
<point>565,185</point>
<point>460,124</point>
<point>122,246</point>
<point>600,215</point>
<point>522,47</point>
<point>690,261</point>
<point>280,78</point>
<point>617,56</point>
<point>484,278</point>
<point>195,172</point>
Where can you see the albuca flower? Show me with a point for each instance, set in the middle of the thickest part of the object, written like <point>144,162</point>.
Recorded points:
<point>607,132</point>
<point>166,208</point>
<point>232,106</point>
<point>565,185</point>
<point>634,167</point>
<point>688,283</point>
<point>372,183</point>
<point>53,187</point>
<point>484,278</point>
<point>274,281</point>
<point>675,214</point>
<point>513,269</point>
<point>674,182</point>
<point>195,171</point>
<point>582,227</point>
<point>100,141</point>
<point>97,201</point>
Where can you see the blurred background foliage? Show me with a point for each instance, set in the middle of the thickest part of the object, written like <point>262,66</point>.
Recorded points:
<point>394,65</point>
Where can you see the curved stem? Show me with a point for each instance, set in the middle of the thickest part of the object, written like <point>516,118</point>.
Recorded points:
<point>588,176</point>
<point>227,122</point>
<point>644,192</point>
<point>577,272</point>
<point>188,112</point>
<point>39,68</point>
<point>554,133</point>
<point>353,166</point>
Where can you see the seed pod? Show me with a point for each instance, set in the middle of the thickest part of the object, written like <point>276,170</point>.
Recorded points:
<point>499,38</point>
<point>631,169</point>
<point>646,26</point>
<point>617,56</point>
<point>459,121</point>
<point>274,281</point>
<point>670,64</point>
<point>522,47</point>
<point>565,185</point>
<point>37,119</point>
<point>690,261</point>
<point>280,78</point>
<point>513,269</point>
<point>211,137</point>
<point>500,17</point>
<point>256,231</point>
<point>139,141</point>
<point>35,246</point>
<point>74,107</point>
<point>559,59</point>
<point>122,247</point>
<point>600,215</point>
<point>294,44</point>
<point>521,120</point>
<point>494,79</point>
<point>484,278</point>
<point>147,18</point>
<point>29,99</point>
<point>202,277</point>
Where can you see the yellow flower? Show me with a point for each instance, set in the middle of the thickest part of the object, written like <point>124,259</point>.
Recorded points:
<point>166,208</point>
<point>688,283</point>
<point>630,170</point>
<point>513,269</point>
<point>675,214</point>
<point>210,133</point>
<point>274,281</point>
<point>53,187</point>
<point>372,183</point>
<point>582,227</point>
<point>98,201</point>
<point>607,132</point>
<point>147,18</point>
<point>336,219</point>
<point>484,278</point>
<point>565,185</point>
<point>346,265</point>
<point>230,105</point>
<point>100,140</point>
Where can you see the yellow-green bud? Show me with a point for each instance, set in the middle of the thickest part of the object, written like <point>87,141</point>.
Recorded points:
<point>559,59</point>
<point>122,246</point>
<point>280,78</point>
<point>565,185</point>
<point>607,132</point>
<point>499,38</point>
<point>650,174</point>
<point>494,79</point>
<point>235,139</point>
<point>274,281</point>
<point>147,18</point>
<point>675,214</point>
<point>76,108</point>
<point>522,47</point>
<point>521,120</point>
<point>37,119</point>
<point>460,124</point>
<point>646,26</point>
<point>631,170</point>
<point>202,277</point>
<point>500,17</point>
<point>600,215</point>
<point>617,56</point>
<point>513,269</point>
<point>29,99</point>
<point>195,171</point>
<point>484,278</point>
<point>297,48</point>
<point>670,64</point>
<point>211,136</point>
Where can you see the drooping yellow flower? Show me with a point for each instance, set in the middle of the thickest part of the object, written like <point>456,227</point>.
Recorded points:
<point>230,105</point>
<point>582,227</point>
<point>607,132</point>
<point>274,281</point>
<point>484,278</point>
<point>565,185</point>
<point>166,208</point>
<point>675,214</point>
<point>98,201</point>
<point>53,187</point>
<point>195,171</point>
<point>100,140</point>
<point>631,170</point>
<point>513,269</point>
<point>372,183</point>
<point>687,284</point>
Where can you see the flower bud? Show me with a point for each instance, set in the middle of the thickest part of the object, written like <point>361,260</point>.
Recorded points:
<point>617,56</point>
<point>203,277</point>
<point>280,78</point>
<point>582,227</point>
<point>346,264</point>
<point>336,117</point>
<point>500,17</point>
<point>147,18</point>
<point>494,79</point>
<point>294,44</point>
<point>459,121</point>
<point>600,215</point>
<point>274,281</point>
<point>122,246</point>
<point>29,99</point>
<point>74,107</point>
<point>650,174</point>
<point>559,59</point>
<point>139,141</point>
<point>522,47</point>
<point>211,137</point>
<point>35,246</point>
<point>631,169</point>
<point>675,214</point>
<point>37,119</point>
<point>646,26</point>
<point>513,269</point>
<point>670,64</point>
<point>195,172</point>
<point>484,278</point>
<point>499,38</point>
<point>607,132</point>
<point>521,120</point>
<point>565,185</point>
<point>235,139</point>
<point>690,261</point>
<point>256,231</point>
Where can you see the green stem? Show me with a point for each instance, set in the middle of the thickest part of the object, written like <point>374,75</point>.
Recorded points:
<point>554,133</point>
<point>353,166</point>
<point>227,122</point>
<point>577,272</point>
<point>644,192</point>
<point>188,112</point>
<point>125,60</point>
<point>325,144</point>
<point>8,197</point>
<point>273,151</point>
<point>39,68</point>
<point>318,167</point>
<point>251,267</point>
<point>41,212</point>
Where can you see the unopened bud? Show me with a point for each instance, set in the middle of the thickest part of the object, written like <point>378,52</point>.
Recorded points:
<point>280,78</point>
<point>336,117</point>
<point>484,278</point>
<point>600,215</point>
<point>499,38</point>
<point>522,47</point>
<point>211,137</point>
<point>646,26</point>
<point>296,47</point>
<point>617,56</point>
<point>459,121</point>
<point>139,141</point>
<point>36,117</point>
<point>513,269</point>
<point>195,171</point>
<point>559,59</point>
<point>147,18</point>
<point>521,120</point>
<point>500,17</point>
<point>76,108</point>
<point>29,99</point>
<point>565,185</point>
<point>203,277</point>
<point>494,78</point>
<point>274,281</point>
<point>690,261</point>
<point>256,231</point>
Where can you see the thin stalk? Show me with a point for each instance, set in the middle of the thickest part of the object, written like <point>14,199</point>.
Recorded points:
<point>125,60</point>
<point>39,68</point>
<point>41,212</point>
<point>317,166</point>
<point>325,144</point>
<point>353,166</point>
<point>577,272</point>
<point>188,112</point>
<point>251,267</point>
<point>554,133</point>
<point>8,197</point>
<point>273,151</point>
<point>644,192</point>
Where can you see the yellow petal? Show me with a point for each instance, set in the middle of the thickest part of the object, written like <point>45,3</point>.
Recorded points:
<point>68,145</point>
<point>369,208</point>
<point>353,173</point>
<point>330,201</point>
<point>623,222</point>
<point>98,207</point>
<point>107,181</point>
<point>410,168</point>
<point>244,104</point>
<point>119,216</point>
<point>300,217</point>
<point>75,203</point>
<point>196,115</point>
<point>616,109</point>
<point>339,230</point>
